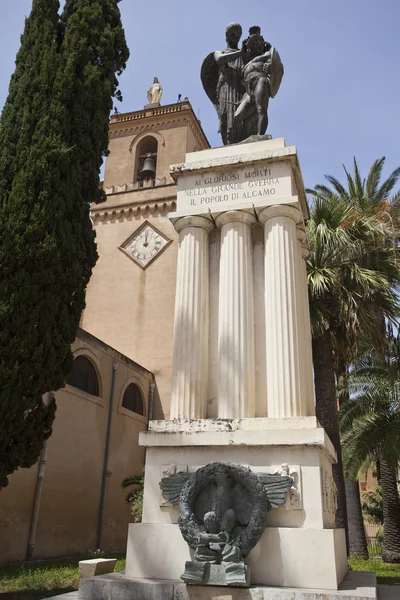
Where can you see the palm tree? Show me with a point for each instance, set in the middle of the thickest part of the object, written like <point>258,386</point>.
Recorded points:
<point>370,421</point>
<point>352,275</point>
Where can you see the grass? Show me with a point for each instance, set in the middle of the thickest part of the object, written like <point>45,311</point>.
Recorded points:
<point>387,574</point>
<point>37,580</point>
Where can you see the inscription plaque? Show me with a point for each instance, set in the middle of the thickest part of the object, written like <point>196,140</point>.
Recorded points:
<point>259,183</point>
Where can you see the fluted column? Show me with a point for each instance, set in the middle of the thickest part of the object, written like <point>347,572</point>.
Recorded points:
<point>236,354</point>
<point>190,356</point>
<point>284,313</point>
<point>306,347</point>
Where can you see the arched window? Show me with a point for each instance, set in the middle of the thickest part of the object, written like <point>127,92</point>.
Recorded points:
<point>133,399</point>
<point>83,376</point>
<point>146,161</point>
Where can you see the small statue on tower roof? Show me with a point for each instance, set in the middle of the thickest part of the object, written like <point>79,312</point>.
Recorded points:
<point>154,94</point>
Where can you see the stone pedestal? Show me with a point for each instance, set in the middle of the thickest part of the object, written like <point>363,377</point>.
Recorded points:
<point>299,548</point>
<point>245,190</point>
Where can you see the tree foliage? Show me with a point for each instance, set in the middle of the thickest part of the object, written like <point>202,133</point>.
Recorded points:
<point>370,416</point>
<point>372,506</point>
<point>53,135</point>
<point>353,272</point>
<point>135,496</point>
<point>370,422</point>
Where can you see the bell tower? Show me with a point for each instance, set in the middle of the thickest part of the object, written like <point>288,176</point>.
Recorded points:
<point>131,295</point>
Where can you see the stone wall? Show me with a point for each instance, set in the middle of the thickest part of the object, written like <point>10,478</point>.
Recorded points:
<point>69,507</point>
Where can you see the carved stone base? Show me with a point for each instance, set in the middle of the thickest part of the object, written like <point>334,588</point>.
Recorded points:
<point>289,557</point>
<point>299,548</point>
<point>226,574</point>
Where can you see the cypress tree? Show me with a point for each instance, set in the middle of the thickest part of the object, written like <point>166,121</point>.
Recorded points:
<point>53,135</point>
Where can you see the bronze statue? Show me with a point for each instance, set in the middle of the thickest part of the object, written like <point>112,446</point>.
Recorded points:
<point>239,82</point>
<point>222,515</point>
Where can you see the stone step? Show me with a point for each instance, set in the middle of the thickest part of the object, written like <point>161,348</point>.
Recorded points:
<point>67,596</point>
<point>389,592</point>
<point>357,586</point>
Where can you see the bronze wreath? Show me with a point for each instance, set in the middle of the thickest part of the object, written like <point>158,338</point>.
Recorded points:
<point>188,523</point>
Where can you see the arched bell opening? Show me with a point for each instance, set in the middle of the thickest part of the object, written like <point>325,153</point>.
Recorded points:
<point>146,162</point>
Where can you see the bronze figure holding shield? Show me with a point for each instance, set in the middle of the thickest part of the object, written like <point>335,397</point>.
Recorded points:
<point>240,82</point>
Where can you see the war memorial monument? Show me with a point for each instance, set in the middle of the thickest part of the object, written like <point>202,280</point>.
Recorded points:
<point>237,506</point>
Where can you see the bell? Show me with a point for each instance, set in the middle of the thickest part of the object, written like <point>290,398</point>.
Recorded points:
<point>149,168</point>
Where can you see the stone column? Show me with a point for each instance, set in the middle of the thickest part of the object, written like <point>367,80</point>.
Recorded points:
<point>190,355</point>
<point>236,354</point>
<point>284,313</point>
<point>305,338</point>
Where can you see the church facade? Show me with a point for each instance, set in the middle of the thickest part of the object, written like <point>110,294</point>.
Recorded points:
<point>131,295</point>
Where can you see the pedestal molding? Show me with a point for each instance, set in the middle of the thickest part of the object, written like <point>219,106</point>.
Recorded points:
<point>278,437</point>
<point>218,425</point>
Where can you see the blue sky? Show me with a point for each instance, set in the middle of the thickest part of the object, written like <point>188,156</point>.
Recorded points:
<point>340,95</point>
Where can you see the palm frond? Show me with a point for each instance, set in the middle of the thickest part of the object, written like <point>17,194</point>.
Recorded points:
<point>373,179</point>
<point>351,184</point>
<point>387,186</point>
<point>358,185</point>
<point>338,187</point>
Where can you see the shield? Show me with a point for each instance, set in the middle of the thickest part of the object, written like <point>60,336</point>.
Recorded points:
<point>276,73</point>
<point>209,76</point>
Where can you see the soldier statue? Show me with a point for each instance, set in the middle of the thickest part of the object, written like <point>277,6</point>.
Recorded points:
<point>240,82</point>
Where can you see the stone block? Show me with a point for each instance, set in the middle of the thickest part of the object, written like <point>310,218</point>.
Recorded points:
<point>96,566</point>
<point>117,587</point>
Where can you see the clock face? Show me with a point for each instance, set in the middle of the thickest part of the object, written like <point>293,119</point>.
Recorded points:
<point>145,244</point>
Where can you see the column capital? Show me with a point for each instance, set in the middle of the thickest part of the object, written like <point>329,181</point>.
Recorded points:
<point>238,216</point>
<point>194,221</point>
<point>280,210</point>
<point>302,237</point>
